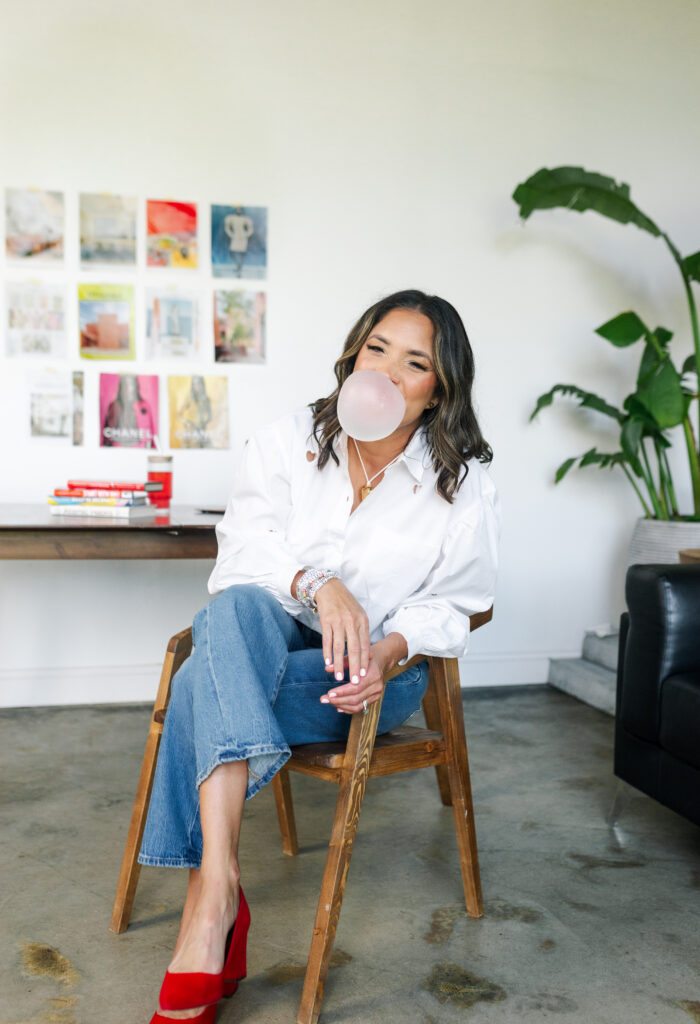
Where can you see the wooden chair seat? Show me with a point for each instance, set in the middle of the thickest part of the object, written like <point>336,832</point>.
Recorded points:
<point>365,755</point>
<point>422,747</point>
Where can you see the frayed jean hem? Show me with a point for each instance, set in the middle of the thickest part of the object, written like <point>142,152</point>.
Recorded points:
<point>260,768</point>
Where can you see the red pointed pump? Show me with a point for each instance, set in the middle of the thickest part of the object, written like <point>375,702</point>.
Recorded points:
<point>235,966</point>
<point>189,989</point>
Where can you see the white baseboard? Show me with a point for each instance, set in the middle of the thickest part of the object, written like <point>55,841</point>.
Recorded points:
<point>124,684</point>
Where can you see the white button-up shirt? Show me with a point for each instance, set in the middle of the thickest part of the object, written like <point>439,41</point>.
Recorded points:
<point>418,565</point>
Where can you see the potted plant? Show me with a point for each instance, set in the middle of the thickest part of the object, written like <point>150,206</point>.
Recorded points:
<point>664,397</point>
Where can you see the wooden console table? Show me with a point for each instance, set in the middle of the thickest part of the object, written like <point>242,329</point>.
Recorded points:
<point>30,531</point>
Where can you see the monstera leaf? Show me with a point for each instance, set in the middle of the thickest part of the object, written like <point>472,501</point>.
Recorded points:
<point>574,188</point>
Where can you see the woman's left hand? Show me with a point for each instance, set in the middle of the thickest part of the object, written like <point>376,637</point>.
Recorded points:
<point>383,656</point>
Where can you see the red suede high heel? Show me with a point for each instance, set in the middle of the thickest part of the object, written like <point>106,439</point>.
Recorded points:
<point>205,1017</point>
<point>235,966</point>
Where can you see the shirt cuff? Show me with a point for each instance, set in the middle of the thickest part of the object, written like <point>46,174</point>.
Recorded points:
<point>429,630</point>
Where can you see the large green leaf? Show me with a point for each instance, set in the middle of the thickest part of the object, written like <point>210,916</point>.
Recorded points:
<point>574,188</point>
<point>691,265</point>
<point>587,399</point>
<point>651,428</point>
<point>689,366</point>
<point>623,330</point>
<point>630,439</point>
<point>663,396</point>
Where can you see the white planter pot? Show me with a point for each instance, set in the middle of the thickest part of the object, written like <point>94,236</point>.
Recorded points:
<point>655,540</point>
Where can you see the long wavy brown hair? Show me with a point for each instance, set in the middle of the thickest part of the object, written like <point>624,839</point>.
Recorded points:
<point>451,428</point>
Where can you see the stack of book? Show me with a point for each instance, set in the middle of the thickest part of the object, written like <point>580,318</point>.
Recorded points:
<point>104,498</point>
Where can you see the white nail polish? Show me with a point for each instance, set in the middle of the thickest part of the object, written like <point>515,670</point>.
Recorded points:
<point>339,676</point>
<point>332,694</point>
<point>324,700</point>
<point>363,671</point>
<point>328,661</point>
<point>355,679</point>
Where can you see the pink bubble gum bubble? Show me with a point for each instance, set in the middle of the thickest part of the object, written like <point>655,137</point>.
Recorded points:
<point>370,407</point>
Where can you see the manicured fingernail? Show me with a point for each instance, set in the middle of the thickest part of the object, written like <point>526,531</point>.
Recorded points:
<point>324,700</point>
<point>340,711</point>
<point>355,679</point>
<point>339,676</point>
<point>328,661</point>
<point>363,671</point>
<point>331,694</point>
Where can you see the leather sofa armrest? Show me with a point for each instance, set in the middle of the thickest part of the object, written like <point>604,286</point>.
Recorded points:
<point>664,618</point>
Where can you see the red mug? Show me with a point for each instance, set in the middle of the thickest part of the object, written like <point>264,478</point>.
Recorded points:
<point>160,470</point>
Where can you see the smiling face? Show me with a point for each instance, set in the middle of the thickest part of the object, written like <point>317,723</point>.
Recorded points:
<point>401,347</point>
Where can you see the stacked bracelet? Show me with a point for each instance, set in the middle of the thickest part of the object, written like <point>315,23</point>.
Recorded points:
<point>310,582</point>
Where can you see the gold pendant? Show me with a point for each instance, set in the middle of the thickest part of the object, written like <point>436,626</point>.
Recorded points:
<point>364,492</point>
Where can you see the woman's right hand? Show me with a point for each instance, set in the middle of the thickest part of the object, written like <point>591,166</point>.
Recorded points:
<point>343,622</point>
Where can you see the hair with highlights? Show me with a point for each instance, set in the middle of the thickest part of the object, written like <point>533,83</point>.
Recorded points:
<point>451,428</point>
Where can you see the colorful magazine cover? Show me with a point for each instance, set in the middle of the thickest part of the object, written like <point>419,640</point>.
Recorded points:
<point>128,410</point>
<point>198,412</point>
<point>55,405</point>
<point>239,241</point>
<point>239,327</point>
<point>36,319</point>
<point>106,314</point>
<point>34,224</point>
<point>172,324</point>
<point>107,229</point>
<point>171,234</point>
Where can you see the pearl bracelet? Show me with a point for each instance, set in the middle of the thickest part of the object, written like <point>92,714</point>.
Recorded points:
<point>310,582</point>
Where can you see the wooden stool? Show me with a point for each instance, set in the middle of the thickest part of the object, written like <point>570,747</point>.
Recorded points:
<point>442,745</point>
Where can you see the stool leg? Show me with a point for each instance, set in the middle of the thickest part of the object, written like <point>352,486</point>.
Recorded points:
<point>353,780</point>
<point>431,710</point>
<point>452,714</point>
<point>282,787</point>
<point>130,870</point>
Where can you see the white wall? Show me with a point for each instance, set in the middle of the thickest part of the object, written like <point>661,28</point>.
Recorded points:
<point>386,138</point>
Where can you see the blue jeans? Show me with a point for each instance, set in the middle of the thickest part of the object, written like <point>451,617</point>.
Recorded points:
<point>249,690</point>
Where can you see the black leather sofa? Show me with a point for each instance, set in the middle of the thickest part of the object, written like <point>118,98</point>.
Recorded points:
<point>657,717</point>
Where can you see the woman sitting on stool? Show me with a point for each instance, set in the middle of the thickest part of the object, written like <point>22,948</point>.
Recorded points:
<point>338,560</point>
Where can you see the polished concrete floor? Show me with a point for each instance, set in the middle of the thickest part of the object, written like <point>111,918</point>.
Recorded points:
<point>585,922</point>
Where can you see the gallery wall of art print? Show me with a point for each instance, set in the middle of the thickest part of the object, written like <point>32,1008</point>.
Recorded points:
<point>239,241</point>
<point>171,234</point>
<point>107,229</point>
<point>34,225</point>
<point>128,410</point>
<point>239,326</point>
<point>35,319</point>
<point>198,411</point>
<point>172,324</point>
<point>106,320</point>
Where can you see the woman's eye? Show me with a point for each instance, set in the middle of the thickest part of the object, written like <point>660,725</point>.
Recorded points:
<point>419,366</point>
<point>375,348</point>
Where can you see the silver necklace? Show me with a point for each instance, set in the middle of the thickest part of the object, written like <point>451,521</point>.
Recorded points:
<point>364,491</point>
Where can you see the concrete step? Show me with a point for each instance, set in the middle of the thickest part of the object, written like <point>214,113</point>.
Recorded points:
<point>601,650</point>
<point>584,680</point>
